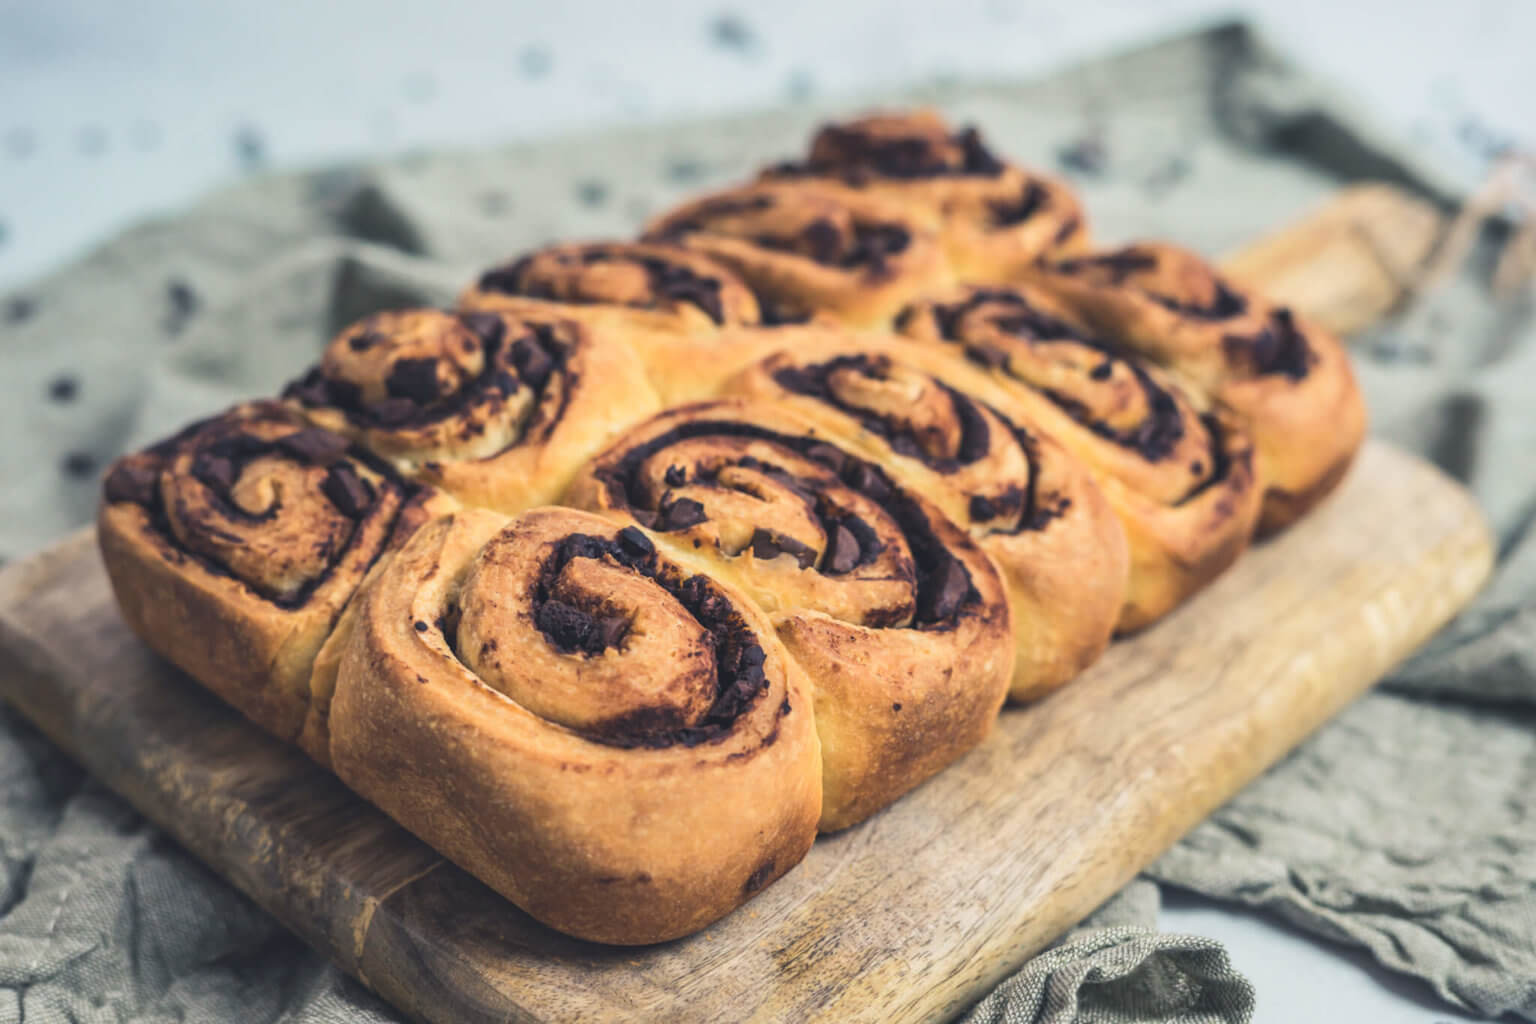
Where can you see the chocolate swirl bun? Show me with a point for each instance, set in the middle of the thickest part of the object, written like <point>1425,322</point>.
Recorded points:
<point>498,410</point>
<point>680,311</point>
<point>617,744</point>
<point>813,249</point>
<point>1178,474</point>
<point>627,284</point>
<point>234,546</point>
<point>896,615</point>
<point>1028,503</point>
<point>996,219</point>
<point>1290,381</point>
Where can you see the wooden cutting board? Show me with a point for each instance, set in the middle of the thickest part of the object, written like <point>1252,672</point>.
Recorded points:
<point>911,915</point>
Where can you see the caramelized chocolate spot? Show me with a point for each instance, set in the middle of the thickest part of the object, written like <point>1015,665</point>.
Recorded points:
<point>944,599</point>
<point>1279,349</point>
<point>347,491</point>
<point>842,551</point>
<point>571,629</point>
<point>636,543</point>
<point>534,365</point>
<point>768,545</point>
<point>488,327</point>
<point>1007,213</point>
<point>314,445</point>
<point>679,514</point>
<point>215,471</point>
<point>131,481</point>
<point>413,379</point>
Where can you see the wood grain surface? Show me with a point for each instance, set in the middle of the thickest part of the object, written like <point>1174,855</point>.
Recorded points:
<point>907,917</point>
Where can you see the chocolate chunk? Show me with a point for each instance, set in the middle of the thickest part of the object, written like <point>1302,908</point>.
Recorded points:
<point>679,283</point>
<point>131,481</point>
<point>566,626</point>
<point>413,379</point>
<point>978,159</point>
<point>989,356</point>
<point>946,591</point>
<point>679,515</point>
<point>676,476</point>
<point>868,480</point>
<point>214,471</point>
<point>488,327</point>
<point>309,389</point>
<point>842,551</point>
<point>768,545</point>
<point>1279,348</point>
<point>393,412</point>
<point>314,445</point>
<point>534,365</point>
<point>1007,213</point>
<point>348,491</point>
<point>1103,370</point>
<point>982,508</point>
<point>821,240</point>
<point>635,543</point>
<point>828,455</point>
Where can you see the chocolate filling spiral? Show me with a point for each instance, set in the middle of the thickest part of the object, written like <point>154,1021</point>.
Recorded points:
<point>902,149</point>
<point>636,276</point>
<point>259,497</point>
<point>1100,384</point>
<point>816,228</point>
<point>949,432</point>
<point>866,549</point>
<point>1185,287</point>
<point>661,657</point>
<point>428,385</point>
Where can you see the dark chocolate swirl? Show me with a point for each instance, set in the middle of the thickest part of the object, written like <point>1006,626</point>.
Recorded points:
<point>866,550</point>
<point>1019,334</point>
<point>989,459</point>
<point>652,278</point>
<point>426,386</point>
<point>598,632</point>
<point>258,495</point>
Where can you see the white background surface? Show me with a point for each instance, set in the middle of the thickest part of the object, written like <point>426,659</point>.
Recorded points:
<point>112,110</point>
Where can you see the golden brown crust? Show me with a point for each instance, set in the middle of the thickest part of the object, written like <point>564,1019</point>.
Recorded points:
<point>814,249</point>
<point>1029,504</point>
<point>1178,475</point>
<point>234,547</point>
<point>631,285</point>
<point>995,219</point>
<point>629,828</point>
<point>496,409</point>
<point>1288,380</point>
<point>899,619</point>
